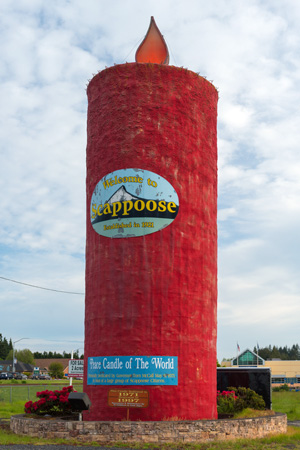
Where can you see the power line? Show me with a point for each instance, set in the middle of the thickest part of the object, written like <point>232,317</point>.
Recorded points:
<point>40,287</point>
<point>59,340</point>
<point>135,45</point>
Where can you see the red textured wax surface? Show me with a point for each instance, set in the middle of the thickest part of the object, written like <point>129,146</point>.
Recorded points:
<point>155,295</point>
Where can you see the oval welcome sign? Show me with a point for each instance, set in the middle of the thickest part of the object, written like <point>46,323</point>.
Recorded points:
<point>132,202</point>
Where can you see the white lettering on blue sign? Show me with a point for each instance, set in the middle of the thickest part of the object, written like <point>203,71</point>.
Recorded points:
<point>132,370</point>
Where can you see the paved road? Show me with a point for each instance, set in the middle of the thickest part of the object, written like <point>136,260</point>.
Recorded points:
<point>294,423</point>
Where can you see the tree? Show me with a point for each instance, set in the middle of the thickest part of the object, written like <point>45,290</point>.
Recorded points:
<point>56,370</point>
<point>294,352</point>
<point>284,353</point>
<point>5,347</point>
<point>25,356</point>
<point>47,355</point>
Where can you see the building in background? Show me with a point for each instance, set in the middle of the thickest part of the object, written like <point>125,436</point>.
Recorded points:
<point>282,371</point>
<point>247,358</point>
<point>44,365</point>
<point>7,366</point>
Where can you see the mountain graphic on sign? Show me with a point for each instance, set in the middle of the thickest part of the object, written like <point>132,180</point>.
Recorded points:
<point>130,206</point>
<point>121,195</point>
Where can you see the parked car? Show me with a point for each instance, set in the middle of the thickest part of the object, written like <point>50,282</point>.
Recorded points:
<point>34,377</point>
<point>6,376</point>
<point>44,377</point>
<point>20,376</point>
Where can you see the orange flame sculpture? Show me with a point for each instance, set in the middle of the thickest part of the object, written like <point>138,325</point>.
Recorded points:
<point>153,48</point>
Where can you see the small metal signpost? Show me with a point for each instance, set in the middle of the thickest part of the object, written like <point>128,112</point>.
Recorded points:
<point>128,398</point>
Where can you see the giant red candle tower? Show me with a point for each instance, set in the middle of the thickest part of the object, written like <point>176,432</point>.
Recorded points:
<point>151,253</point>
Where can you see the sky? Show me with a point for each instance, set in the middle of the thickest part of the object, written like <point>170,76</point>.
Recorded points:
<point>49,51</point>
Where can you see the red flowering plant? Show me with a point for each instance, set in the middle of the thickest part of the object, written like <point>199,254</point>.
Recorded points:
<point>54,403</point>
<point>226,402</point>
<point>238,398</point>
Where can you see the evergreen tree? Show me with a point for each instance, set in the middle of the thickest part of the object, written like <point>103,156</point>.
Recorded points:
<point>284,353</point>
<point>1,345</point>
<point>5,347</point>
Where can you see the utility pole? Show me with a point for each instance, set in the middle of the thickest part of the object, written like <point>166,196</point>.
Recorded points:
<point>13,369</point>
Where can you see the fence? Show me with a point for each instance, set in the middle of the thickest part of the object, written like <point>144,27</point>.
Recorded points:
<point>27,392</point>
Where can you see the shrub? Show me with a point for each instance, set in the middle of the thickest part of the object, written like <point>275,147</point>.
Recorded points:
<point>226,402</point>
<point>283,387</point>
<point>50,402</point>
<point>247,398</point>
<point>56,370</point>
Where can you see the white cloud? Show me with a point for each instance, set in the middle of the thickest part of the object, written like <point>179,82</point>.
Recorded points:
<point>250,50</point>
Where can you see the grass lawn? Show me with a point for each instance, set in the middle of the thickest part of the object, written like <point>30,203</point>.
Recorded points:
<point>64,382</point>
<point>288,403</point>
<point>14,396</point>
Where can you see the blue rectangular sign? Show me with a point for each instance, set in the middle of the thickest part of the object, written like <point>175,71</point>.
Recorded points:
<point>132,370</point>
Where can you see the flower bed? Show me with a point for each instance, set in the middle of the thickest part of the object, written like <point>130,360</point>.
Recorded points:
<point>54,403</point>
<point>237,399</point>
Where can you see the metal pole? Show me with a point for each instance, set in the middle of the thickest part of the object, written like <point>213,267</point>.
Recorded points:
<point>13,367</point>
<point>71,378</point>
